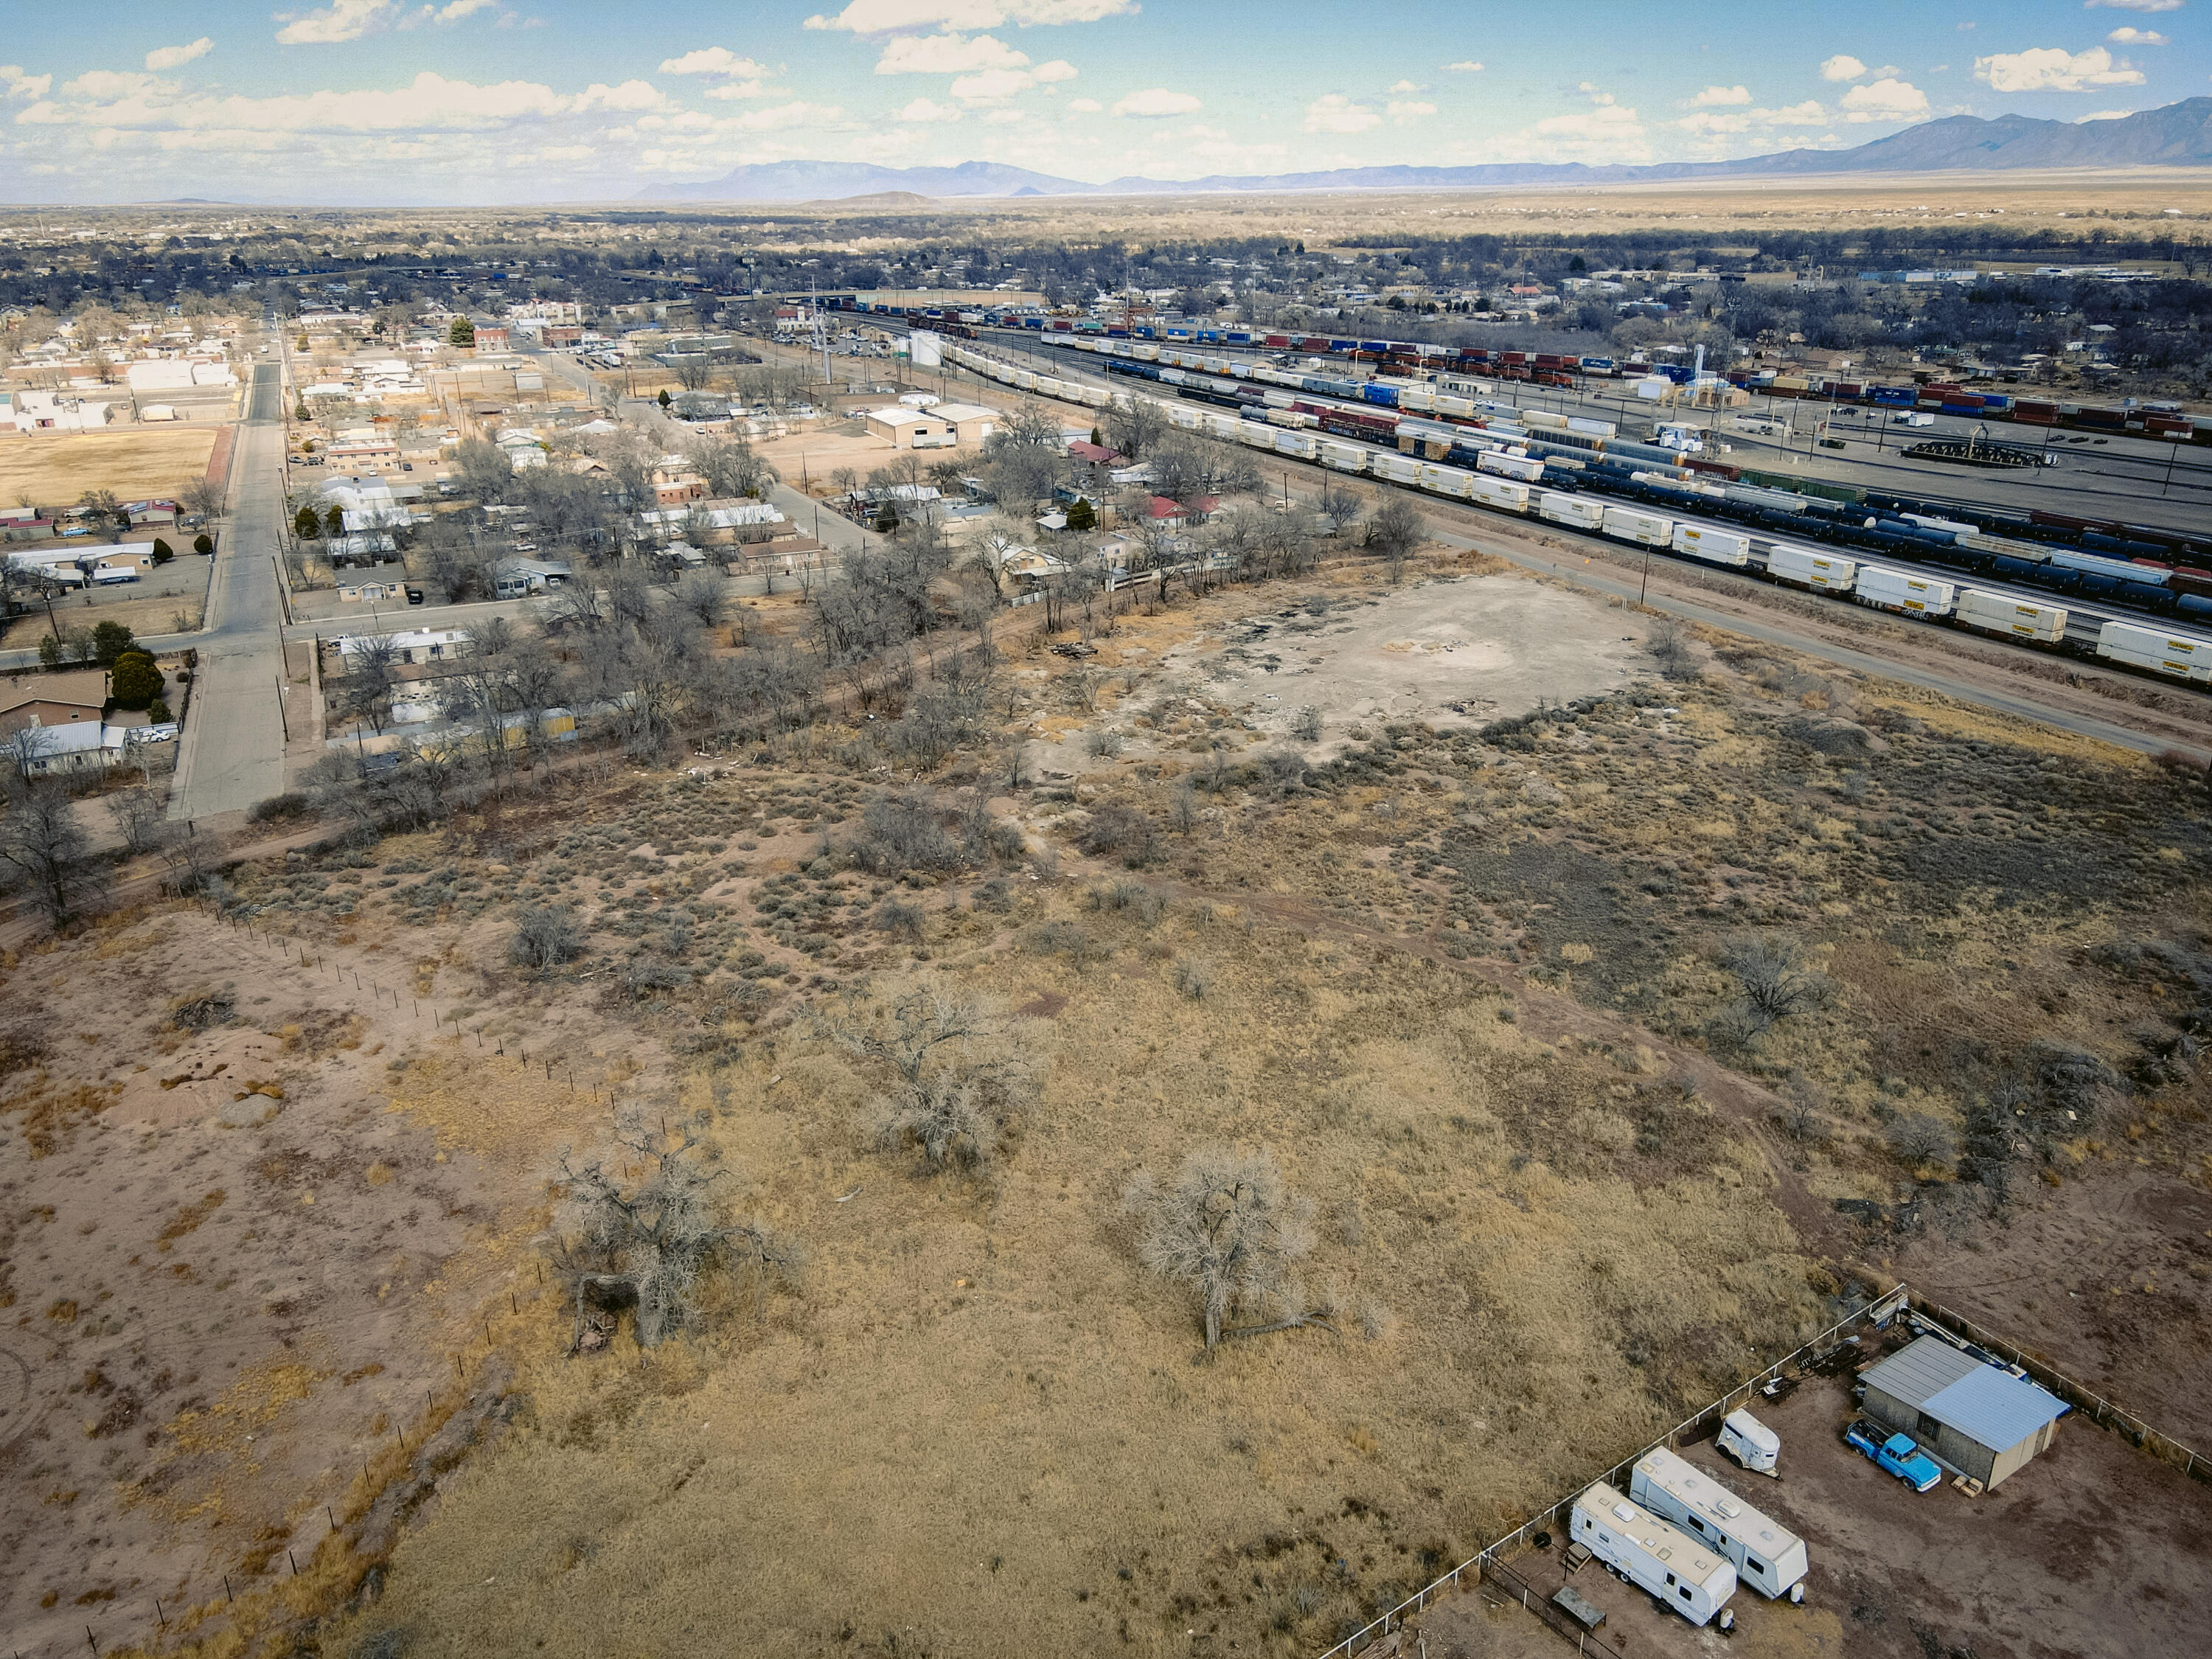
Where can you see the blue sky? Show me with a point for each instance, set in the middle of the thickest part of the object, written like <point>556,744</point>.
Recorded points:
<point>528,100</point>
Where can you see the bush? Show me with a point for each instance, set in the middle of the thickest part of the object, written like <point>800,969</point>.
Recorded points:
<point>306,526</point>
<point>204,544</point>
<point>1115,828</point>
<point>545,936</point>
<point>1082,515</point>
<point>291,805</point>
<point>1920,1140</point>
<point>158,712</point>
<point>1305,724</point>
<point>135,680</point>
<point>162,551</point>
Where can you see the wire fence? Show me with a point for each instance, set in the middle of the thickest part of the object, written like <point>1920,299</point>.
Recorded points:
<point>1489,1561</point>
<point>2100,1410</point>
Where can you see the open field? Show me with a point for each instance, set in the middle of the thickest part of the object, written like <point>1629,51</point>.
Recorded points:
<point>1474,977</point>
<point>135,462</point>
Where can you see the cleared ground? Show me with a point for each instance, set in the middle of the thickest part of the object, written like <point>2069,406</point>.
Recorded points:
<point>135,462</point>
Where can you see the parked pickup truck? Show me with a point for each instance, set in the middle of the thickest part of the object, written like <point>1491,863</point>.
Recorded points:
<point>1897,1453</point>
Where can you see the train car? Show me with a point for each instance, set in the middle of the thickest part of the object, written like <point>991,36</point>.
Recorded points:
<point>1340,457</point>
<point>1509,464</point>
<point>1502,495</point>
<point>1803,569</point>
<point>2157,651</point>
<point>1576,512</point>
<point>1631,523</point>
<point>1901,591</point>
<point>2008,614</point>
<point>1714,546</point>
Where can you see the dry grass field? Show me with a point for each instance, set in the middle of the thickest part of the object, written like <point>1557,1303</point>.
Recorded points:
<point>1571,1012</point>
<point>133,461</point>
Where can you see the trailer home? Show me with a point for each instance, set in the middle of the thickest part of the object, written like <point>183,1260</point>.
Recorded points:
<point>1649,1553</point>
<point>1766,1554</point>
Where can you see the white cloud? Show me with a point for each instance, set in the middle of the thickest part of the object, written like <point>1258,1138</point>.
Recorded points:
<point>992,85</point>
<point>169,58</point>
<point>2135,5</point>
<point>1712,97</point>
<point>946,54</point>
<point>1465,66</point>
<point>1157,103</point>
<point>797,113</point>
<point>1005,118</point>
<point>2133,37</point>
<point>1841,67</point>
<point>924,109</point>
<point>1407,86</point>
<point>716,61</point>
<point>2049,69</point>
<point>884,16</point>
<point>1085,107</point>
<point>2103,115</point>
<point>1605,123</point>
<point>1405,113</point>
<point>450,13</point>
<point>1885,100</point>
<point>430,103</point>
<point>1706,124</point>
<point>1334,112</point>
<point>733,90</point>
<point>1058,70</point>
<point>15,83</point>
<point>343,19</point>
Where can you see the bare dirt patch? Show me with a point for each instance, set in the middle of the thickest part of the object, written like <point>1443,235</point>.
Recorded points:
<point>135,462</point>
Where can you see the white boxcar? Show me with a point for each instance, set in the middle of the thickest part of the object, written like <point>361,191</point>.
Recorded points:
<point>1300,444</point>
<point>1719,546</point>
<point>1647,1552</point>
<point>1344,458</point>
<point>1900,590</point>
<point>1574,510</point>
<point>1447,480</point>
<point>2001,613</point>
<point>1182,415</point>
<point>1766,1554</point>
<point>1504,495</point>
<point>1633,523</point>
<point>1398,469</point>
<point>1508,464</point>
<point>1795,564</point>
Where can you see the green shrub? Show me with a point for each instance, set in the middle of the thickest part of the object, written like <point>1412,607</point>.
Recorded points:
<point>110,640</point>
<point>158,712</point>
<point>135,680</point>
<point>162,551</point>
<point>204,544</point>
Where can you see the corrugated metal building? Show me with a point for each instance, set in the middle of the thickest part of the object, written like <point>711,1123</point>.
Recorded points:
<point>1978,1420</point>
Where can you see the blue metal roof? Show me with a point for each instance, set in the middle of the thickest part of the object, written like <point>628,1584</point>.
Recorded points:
<point>1995,1409</point>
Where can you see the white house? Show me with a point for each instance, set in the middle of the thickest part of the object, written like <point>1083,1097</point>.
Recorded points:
<point>413,646</point>
<point>48,411</point>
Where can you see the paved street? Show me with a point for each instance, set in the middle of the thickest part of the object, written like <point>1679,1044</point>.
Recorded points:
<point>232,753</point>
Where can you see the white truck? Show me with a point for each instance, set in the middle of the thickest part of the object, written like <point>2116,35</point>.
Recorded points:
<point>1646,1551</point>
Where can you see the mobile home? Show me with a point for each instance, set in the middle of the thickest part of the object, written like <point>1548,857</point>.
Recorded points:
<point>1766,1554</point>
<point>1652,1555</point>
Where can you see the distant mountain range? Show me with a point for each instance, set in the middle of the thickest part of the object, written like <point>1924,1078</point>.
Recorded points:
<point>2176,136</point>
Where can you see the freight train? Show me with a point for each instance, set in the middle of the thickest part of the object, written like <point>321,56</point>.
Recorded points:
<point>1779,533</point>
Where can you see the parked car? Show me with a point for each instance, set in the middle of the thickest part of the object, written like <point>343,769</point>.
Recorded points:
<point>414,596</point>
<point>1896,1454</point>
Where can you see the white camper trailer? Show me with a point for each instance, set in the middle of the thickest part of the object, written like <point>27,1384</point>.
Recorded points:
<point>1750,1442</point>
<point>1766,1555</point>
<point>1644,1550</point>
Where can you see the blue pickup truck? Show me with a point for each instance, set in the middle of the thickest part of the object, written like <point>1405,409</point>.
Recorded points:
<point>1896,1453</point>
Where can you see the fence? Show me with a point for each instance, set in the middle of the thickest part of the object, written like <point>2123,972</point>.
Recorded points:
<point>2101,1410</point>
<point>1488,1561</point>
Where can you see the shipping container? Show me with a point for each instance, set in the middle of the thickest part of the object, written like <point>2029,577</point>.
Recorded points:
<point>1343,458</point>
<point>2131,638</point>
<point>1511,465</point>
<point>2001,613</point>
<point>1633,524</point>
<point>1898,590</point>
<point>1574,511</point>
<point>1794,565</point>
<point>1717,546</point>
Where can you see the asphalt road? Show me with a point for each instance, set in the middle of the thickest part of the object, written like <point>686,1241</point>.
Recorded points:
<point>233,753</point>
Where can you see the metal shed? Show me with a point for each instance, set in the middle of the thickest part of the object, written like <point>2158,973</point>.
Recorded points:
<point>1978,1420</point>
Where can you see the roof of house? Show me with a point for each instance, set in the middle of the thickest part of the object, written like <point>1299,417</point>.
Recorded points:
<point>902,416</point>
<point>1990,1407</point>
<point>1097,455</point>
<point>83,687</point>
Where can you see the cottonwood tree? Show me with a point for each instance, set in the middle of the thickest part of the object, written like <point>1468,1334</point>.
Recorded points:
<point>138,815</point>
<point>1228,1227</point>
<point>1394,532</point>
<point>1134,425</point>
<point>1024,456</point>
<point>642,1227</point>
<point>958,1072</point>
<point>729,466</point>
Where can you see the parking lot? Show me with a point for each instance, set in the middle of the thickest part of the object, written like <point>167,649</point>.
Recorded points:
<point>2091,1549</point>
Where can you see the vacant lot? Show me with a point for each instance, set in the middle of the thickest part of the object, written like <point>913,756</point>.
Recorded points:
<point>1476,984</point>
<point>149,606</point>
<point>135,462</point>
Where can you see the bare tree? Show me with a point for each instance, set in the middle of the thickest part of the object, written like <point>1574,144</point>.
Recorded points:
<point>365,694</point>
<point>1229,1228</point>
<point>704,595</point>
<point>545,936</point>
<point>730,466</point>
<point>203,498</point>
<point>644,1242</point>
<point>959,1072</point>
<point>1134,425</point>
<point>42,845</point>
<point>1778,979</point>
<point>1341,505</point>
<point>138,811</point>
<point>1394,532</point>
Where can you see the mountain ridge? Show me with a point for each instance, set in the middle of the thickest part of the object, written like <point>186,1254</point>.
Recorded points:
<point>2173,136</point>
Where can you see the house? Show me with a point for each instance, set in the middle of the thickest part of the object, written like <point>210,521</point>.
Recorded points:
<point>42,700</point>
<point>1972,1416</point>
<point>1091,455</point>
<point>969,423</point>
<point>415,645</point>
<point>371,592</point>
<point>717,521</point>
<point>49,411</point>
<point>513,578</point>
<point>83,746</point>
<point>1174,515</point>
<point>910,429</point>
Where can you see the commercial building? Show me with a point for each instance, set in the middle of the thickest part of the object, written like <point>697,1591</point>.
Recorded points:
<point>1975,1417</point>
<point>911,429</point>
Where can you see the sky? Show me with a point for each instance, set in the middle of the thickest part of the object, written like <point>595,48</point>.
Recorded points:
<point>510,101</point>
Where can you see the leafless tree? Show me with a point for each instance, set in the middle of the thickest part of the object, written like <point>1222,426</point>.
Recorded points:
<point>203,498</point>
<point>1394,532</point>
<point>643,1241</point>
<point>138,811</point>
<point>545,937</point>
<point>1231,1229</point>
<point>365,694</point>
<point>1134,425</point>
<point>730,466</point>
<point>42,846</point>
<point>705,596</point>
<point>1778,976</point>
<point>1341,505</point>
<point>958,1072</point>
<point>1024,457</point>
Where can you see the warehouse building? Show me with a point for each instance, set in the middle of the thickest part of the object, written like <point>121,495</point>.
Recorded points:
<point>1978,1419</point>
